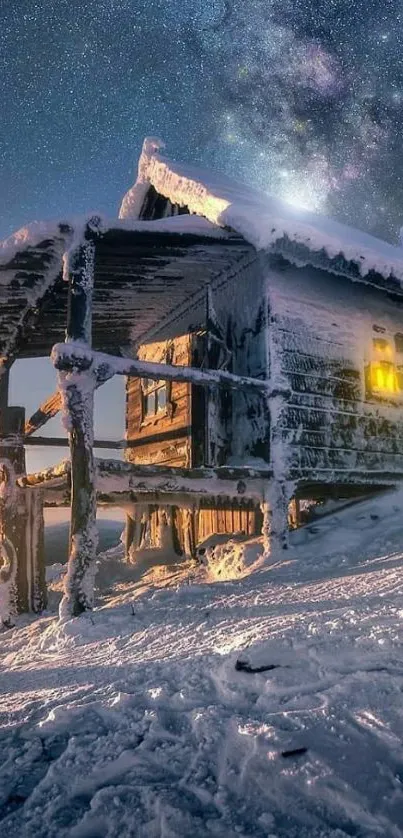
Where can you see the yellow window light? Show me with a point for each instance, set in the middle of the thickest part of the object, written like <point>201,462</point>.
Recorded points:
<point>384,379</point>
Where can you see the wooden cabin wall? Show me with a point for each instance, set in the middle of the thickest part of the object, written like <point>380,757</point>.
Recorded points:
<point>321,328</point>
<point>238,423</point>
<point>164,438</point>
<point>239,305</point>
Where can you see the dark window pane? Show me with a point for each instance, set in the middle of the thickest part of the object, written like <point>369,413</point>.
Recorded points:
<point>399,342</point>
<point>161,398</point>
<point>150,404</point>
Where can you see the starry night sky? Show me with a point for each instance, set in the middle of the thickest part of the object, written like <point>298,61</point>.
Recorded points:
<point>303,98</point>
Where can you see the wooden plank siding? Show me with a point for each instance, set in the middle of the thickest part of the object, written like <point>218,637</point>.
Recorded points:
<point>187,436</point>
<point>166,437</point>
<point>324,328</point>
<point>220,517</point>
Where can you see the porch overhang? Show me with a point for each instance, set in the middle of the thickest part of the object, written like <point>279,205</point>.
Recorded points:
<point>142,278</point>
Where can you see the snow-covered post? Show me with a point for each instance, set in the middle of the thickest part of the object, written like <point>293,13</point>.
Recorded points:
<point>279,489</point>
<point>77,381</point>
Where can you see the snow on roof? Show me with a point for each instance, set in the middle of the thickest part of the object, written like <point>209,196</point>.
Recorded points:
<point>29,236</point>
<point>50,243</point>
<point>259,218</point>
<point>72,230</point>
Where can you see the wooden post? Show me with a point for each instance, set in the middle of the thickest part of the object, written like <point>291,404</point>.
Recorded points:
<point>129,536</point>
<point>189,540</point>
<point>294,513</point>
<point>35,549</point>
<point>77,386</point>
<point>13,509</point>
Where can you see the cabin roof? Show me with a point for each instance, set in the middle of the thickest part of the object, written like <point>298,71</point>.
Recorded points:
<point>215,228</point>
<point>267,223</point>
<point>136,263</point>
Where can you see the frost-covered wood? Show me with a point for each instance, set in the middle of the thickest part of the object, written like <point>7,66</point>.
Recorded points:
<point>66,356</point>
<point>77,385</point>
<point>114,476</point>
<point>8,554</point>
<point>329,428</point>
<point>22,583</point>
<point>35,550</point>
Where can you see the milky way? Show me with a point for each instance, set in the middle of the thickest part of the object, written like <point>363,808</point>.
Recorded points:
<point>304,99</point>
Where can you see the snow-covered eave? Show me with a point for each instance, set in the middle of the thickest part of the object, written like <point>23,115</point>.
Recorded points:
<point>262,220</point>
<point>72,230</point>
<point>299,255</point>
<point>50,243</point>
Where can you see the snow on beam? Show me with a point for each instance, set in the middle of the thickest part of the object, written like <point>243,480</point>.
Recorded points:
<point>54,474</point>
<point>115,477</point>
<point>78,357</point>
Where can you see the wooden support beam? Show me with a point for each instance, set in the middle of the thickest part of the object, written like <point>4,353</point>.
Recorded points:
<point>51,407</point>
<point>47,410</point>
<point>77,391</point>
<point>116,476</point>
<point>66,357</point>
<point>61,442</point>
<point>53,475</point>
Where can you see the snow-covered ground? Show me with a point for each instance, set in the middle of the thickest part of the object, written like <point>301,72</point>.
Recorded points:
<point>137,721</point>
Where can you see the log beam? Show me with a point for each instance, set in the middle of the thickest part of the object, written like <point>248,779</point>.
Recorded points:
<point>116,477</point>
<point>61,442</point>
<point>47,410</point>
<point>77,392</point>
<point>51,407</point>
<point>67,357</point>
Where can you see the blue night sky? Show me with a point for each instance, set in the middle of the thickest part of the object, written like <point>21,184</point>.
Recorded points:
<point>303,98</point>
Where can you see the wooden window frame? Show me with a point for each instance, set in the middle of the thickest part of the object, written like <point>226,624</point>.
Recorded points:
<point>149,387</point>
<point>167,411</point>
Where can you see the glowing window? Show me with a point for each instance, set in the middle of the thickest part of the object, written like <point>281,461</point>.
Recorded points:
<point>383,375</point>
<point>384,378</point>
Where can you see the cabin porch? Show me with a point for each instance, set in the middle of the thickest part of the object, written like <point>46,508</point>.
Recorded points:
<point>160,277</point>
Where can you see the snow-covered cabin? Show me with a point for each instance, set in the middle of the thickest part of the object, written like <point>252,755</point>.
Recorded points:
<point>313,307</point>
<point>263,347</point>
